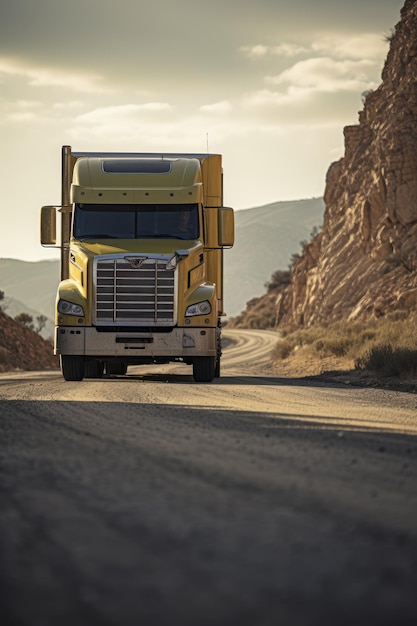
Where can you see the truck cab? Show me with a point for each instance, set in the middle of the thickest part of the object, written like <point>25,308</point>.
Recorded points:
<point>142,240</point>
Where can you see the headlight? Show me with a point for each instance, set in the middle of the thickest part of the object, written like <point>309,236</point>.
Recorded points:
<point>69,308</point>
<point>201,308</point>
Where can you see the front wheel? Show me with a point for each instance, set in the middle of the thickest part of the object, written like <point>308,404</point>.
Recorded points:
<point>93,369</point>
<point>72,366</point>
<point>204,369</point>
<point>219,349</point>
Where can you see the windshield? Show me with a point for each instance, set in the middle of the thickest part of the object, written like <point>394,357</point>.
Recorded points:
<point>135,221</point>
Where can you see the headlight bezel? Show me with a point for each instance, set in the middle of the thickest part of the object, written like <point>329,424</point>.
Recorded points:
<point>199,308</point>
<point>65,307</point>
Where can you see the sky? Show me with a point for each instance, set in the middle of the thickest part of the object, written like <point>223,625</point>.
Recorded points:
<point>268,84</point>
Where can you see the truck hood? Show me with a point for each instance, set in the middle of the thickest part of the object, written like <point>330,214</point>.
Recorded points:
<point>135,246</point>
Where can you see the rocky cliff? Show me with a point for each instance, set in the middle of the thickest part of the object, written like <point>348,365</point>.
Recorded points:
<point>363,263</point>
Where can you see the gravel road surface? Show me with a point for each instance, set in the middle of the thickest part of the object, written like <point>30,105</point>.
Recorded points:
<point>254,500</point>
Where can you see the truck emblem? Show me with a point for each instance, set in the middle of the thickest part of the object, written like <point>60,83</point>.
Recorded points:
<point>136,261</point>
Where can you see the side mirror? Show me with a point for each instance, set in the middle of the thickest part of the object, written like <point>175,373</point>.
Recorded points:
<point>226,227</point>
<point>48,226</point>
<point>219,227</point>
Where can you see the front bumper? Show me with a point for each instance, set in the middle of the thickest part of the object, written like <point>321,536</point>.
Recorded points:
<point>179,343</point>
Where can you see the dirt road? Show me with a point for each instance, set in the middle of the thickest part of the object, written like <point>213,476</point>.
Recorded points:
<point>152,500</point>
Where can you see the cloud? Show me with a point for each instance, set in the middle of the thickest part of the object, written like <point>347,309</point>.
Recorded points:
<point>119,113</point>
<point>122,122</point>
<point>218,107</point>
<point>326,75</point>
<point>284,49</point>
<point>23,116</point>
<point>363,46</point>
<point>300,107</point>
<point>324,83</point>
<point>70,105</point>
<point>28,104</point>
<point>311,92</point>
<point>135,127</point>
<point>266,97</point>
<point>37,112</point>
<point>20,111</point>
<point>41,76</point>
<point>359,46</point>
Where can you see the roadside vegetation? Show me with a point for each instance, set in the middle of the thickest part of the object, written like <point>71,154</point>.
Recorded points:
<point>260,312</point>
<point>386,346</point>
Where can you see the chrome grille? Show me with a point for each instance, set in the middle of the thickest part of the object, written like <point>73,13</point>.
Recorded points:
<point>134,295</point>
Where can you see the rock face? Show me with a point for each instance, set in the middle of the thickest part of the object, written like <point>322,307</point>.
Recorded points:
<point>363,263</point>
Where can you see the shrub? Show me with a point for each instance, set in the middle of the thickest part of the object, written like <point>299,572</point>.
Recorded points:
<point>282,350</point>
<point>280,278</point>
<point>390,36</point>
<point>3,354</point>
<point>339,346</point>
<point>26,319</point>
<point>41,321</point>
<point>389,361</point>
<point>387,345</point>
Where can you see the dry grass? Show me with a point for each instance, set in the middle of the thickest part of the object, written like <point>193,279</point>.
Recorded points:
<point>390,361</point>
<point>387,346</point>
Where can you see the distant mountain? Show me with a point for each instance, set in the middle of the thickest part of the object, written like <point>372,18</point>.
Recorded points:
<point>33,283</point>
<point>266,238</point>
<point>13,307</point>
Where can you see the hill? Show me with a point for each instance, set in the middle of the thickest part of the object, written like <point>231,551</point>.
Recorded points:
<point>32,284</point>
<point>23,349</point>
<point>266,238</point>
<point>14,307</point>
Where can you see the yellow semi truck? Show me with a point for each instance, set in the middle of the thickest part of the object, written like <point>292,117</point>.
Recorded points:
<point>141,238</point>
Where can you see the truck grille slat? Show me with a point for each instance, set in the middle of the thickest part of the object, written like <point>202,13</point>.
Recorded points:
<point>141,295</point>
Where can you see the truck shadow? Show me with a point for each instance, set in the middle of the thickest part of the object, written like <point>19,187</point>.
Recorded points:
<point>333,381</point>
<point>93,418</point>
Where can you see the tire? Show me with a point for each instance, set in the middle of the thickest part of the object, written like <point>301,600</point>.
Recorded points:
<point>116,368</point>
<point>219,349</point>
<point>93,369</point>
<point>204,369</point>
<point>217,368</point>
<point>72,367</point>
